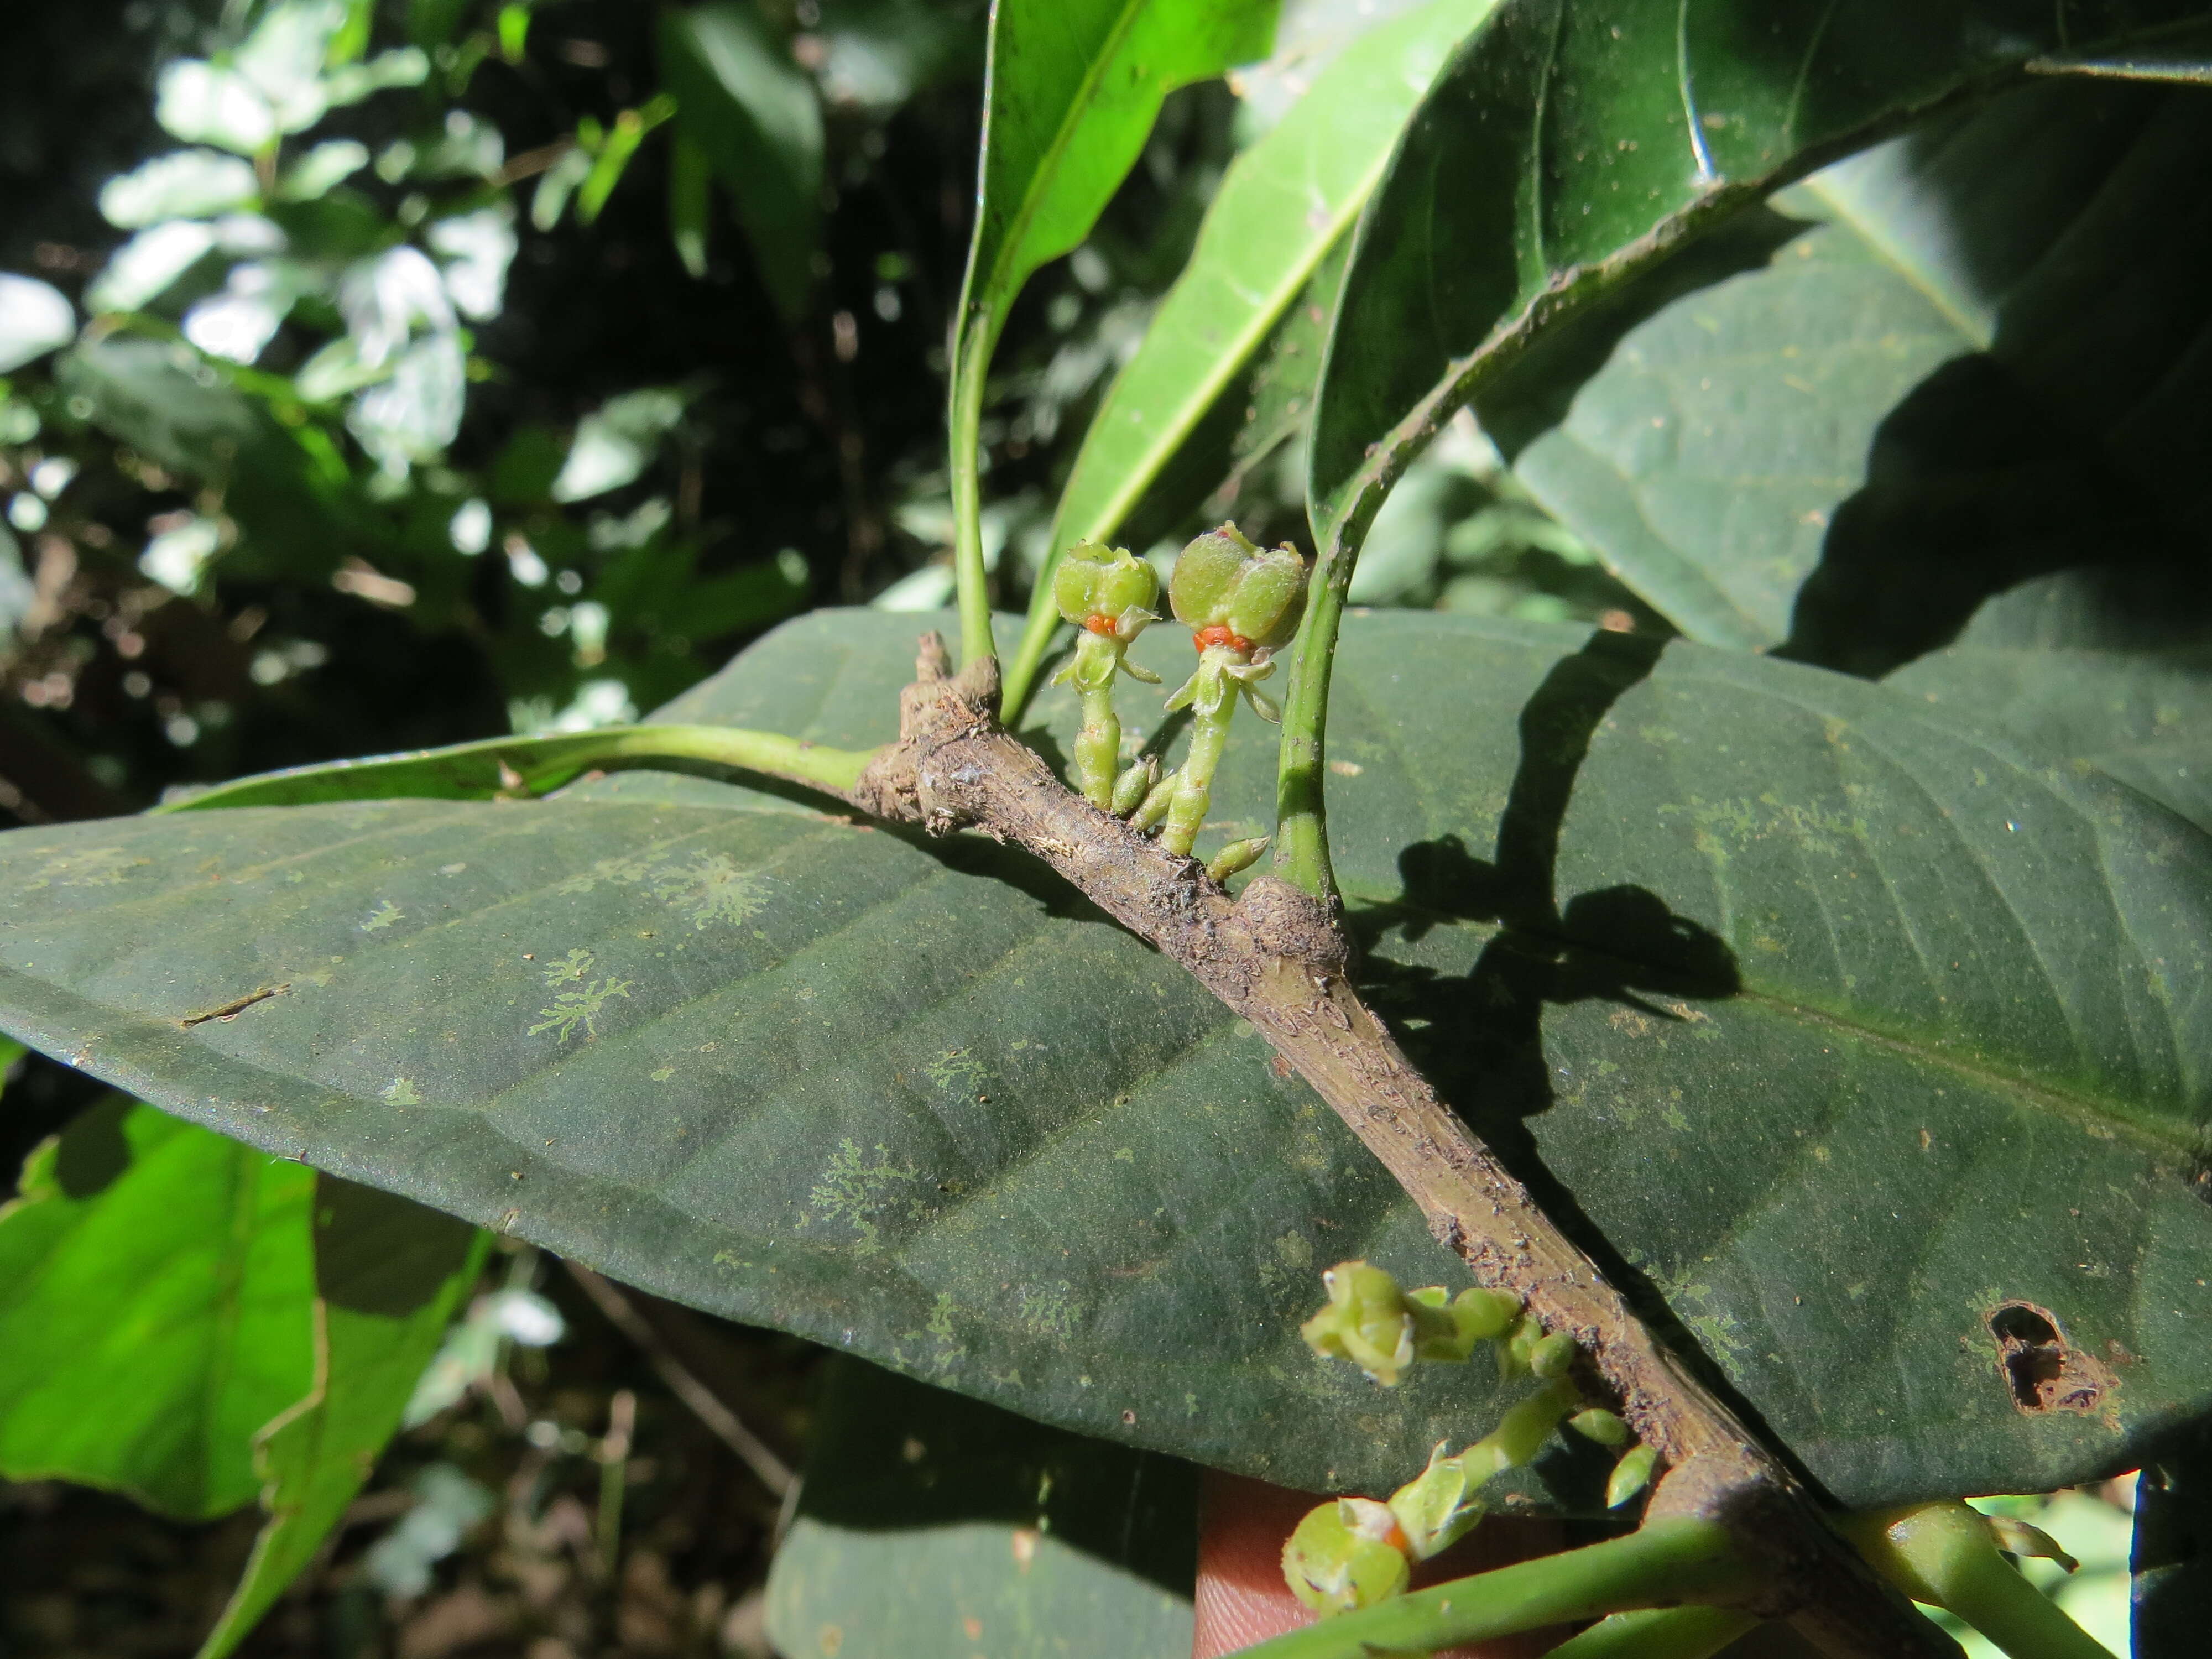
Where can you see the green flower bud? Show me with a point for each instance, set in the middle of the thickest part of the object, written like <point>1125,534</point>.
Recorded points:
<point>1551,1357</point>
<point>1106,590</point>
<point>1222,581</point>
<point>1346,1555</point>
<point>1631,1474</point>
<point>1475,1316</point>
<point>1136,783</point>
<point>1513,1354</point>
<point>1237,855</point>
<point>1439,1508</point>
<point>1383,1329</point>
<point>1367,1321</point>
<point>1155,805</point>
<point>1605,1427</point>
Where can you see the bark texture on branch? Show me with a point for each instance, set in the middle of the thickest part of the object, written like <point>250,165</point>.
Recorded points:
<point>1278,959</point>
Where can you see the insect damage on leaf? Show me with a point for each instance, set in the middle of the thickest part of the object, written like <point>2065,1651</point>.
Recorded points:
<point>237,1006</point>
<point>2044,1372</point>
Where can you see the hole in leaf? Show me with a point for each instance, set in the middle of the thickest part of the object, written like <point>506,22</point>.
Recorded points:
<point>2043,1371</point>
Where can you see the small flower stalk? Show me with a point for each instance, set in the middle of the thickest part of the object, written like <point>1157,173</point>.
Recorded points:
<point>1108,593</point>
<point>1949,1555</point>
<point>1240,602</point>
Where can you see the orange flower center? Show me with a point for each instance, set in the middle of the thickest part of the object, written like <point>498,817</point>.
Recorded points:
<point>1099,624</point>
<point>1219,635</point>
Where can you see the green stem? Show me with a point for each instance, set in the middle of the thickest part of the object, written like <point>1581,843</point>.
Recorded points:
<point>1666,1561</point>
<point>476,771</point>
<point>1099,747</point>
<point>964,427</point>
<point>1301,803</point>
<point>1098,744</point>
<point>1038,634</point>
<point>1521,1431</point>
<point>1659,1633</point>
<point>1943,1553</point>
<point>1211,711</point>
<point>1989,1594</point>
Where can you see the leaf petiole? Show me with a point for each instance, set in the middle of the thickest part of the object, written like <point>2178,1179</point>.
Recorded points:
<point>1669,1560</point>
<point>532,765</point>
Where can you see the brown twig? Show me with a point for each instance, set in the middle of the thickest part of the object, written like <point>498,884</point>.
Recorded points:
<point>754,1452</point>
<point>1278,960</point>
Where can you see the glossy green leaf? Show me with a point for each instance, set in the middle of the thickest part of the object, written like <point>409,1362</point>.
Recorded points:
<point>155,1281</point>
<point>1972,364</point>
<point>388,1278</point>
<point>754,112</point>
<point>1072,89</point>
<point>938,1528</point>
<point>1573,145</point>
<point>1282,205</point>
<point>1846,1029</point>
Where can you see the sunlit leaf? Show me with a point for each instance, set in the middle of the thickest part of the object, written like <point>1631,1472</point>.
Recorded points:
<point>191,183</point>
<point>154,1280</point>
<point>283,59</point>
<point>202,104</point>
<point>616,442</point>
<point>351,82</point>
<point>320,170</point>
<point>1074,88</point>
<point>414,412</point>
<point>478,248</point>
<point>34,319</point>
<point>388,1277</point>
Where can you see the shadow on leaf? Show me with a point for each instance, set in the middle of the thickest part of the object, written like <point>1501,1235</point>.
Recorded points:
<point>1478,1036</point>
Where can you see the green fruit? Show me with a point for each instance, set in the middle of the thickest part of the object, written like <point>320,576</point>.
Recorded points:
<point>1094,580</point>
<point>1222,580</point>
<point>1346,1555</point>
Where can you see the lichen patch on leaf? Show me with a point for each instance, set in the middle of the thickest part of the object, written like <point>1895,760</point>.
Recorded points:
<point>581,1007</point>
<point>854,1191</point>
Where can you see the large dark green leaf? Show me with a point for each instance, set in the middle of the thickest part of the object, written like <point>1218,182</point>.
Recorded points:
<point>937,1527</point>
<point>1573,144</point>
<point>1975,364</point>
<point>2142,717</point>
<point>155,1283</point>
<point>1843,1031</point>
